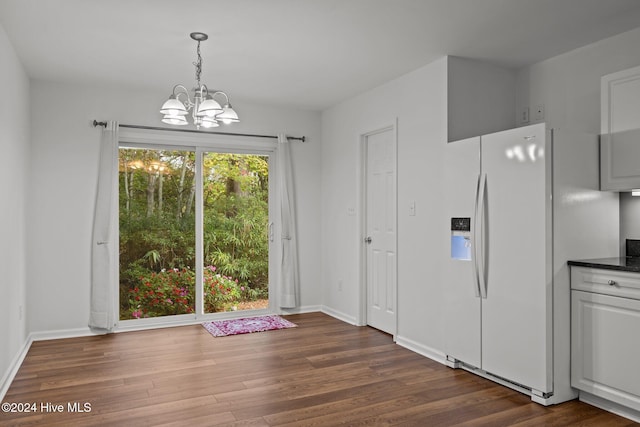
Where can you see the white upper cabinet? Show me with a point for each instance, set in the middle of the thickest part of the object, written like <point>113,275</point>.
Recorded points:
<point>620,129</point>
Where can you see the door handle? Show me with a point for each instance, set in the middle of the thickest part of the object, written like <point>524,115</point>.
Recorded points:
<point>368,240</point>
<point>474,264</point>
<point>480,235</point>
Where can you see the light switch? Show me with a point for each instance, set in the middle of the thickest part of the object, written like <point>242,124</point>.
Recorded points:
<point>524,115</point>
<point>412,208</point>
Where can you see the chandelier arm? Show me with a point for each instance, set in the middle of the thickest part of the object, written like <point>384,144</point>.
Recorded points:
<point>184,89</point>
<point>181,90</point>
<point>223,94</point>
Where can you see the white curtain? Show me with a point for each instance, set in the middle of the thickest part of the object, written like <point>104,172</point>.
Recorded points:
<point>102,313</point>
<point>289,257</point>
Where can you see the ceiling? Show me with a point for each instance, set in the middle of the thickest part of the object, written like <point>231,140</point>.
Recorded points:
<point>307,54</point>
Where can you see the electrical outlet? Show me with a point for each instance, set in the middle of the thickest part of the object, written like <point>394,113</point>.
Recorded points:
<point>524,115</point>
<point>539,113</point>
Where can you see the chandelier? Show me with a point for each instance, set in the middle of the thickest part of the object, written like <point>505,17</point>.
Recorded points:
<point>205,111</point>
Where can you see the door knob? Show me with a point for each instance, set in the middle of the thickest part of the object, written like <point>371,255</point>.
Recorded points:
<point>367,239</point>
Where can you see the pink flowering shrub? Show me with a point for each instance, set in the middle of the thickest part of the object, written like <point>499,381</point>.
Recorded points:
<point>173,292</point>
<point>221,293</point>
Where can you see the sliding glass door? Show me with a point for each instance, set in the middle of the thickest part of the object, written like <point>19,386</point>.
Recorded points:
<point>235,231</point>
<point>191,242</point>
<point>157,232</point>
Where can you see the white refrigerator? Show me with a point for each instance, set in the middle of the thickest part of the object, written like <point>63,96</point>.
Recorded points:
<point>529,197</point>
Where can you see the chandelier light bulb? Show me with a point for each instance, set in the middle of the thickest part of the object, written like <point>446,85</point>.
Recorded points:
<point>209,122</point>
<point>209,107</point>
<point>175,120</point>
<point>174,107</point>
<point>228,115</point>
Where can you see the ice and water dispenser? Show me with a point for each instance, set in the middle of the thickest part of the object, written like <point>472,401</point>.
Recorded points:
<point>461,239</point>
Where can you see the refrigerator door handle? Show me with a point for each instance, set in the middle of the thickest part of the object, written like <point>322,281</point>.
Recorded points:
<point>480,234</point>
<point>474,264</point>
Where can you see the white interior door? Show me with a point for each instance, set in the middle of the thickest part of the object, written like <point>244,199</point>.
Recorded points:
<point>381,225</point>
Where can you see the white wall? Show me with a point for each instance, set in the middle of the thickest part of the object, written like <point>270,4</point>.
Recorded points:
<point>63,175</point>
<point>14,146</point>
<point>418,102</point>
<point>481,98</point>
<point>629,219</point>
<point>568,86</point>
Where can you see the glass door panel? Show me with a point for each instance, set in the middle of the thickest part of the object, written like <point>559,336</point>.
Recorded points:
<point>235,232</point>
<point>157,232</point>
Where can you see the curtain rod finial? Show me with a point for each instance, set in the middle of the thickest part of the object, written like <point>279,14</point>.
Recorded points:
<point>97,123</point>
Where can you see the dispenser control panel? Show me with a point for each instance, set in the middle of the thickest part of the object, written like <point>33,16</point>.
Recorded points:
<point>461,224</point>
<point>461,238</point>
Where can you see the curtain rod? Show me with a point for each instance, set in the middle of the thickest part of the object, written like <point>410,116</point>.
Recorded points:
<point>104,124</point>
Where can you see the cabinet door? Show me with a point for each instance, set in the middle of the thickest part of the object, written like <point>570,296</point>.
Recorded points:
<point>605,347</point>
<point>620,129</point>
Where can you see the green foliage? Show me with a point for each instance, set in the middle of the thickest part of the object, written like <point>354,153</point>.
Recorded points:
<point>236,216</point>
<point>157,220</point>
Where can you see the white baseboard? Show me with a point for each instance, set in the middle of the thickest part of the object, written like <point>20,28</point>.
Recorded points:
<point>339,315</point>
<point>610,406</point>
<point>300,310</point>
<point>61,333</point>
<point>421,349</point>
<point>10,374</point>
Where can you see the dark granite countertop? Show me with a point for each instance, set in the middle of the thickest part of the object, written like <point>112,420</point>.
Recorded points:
<point>625,264</point>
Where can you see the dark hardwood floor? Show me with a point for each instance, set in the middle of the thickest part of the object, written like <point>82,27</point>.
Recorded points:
<point>323,373</point>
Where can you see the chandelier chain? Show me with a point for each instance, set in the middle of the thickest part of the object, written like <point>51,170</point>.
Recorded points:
<point>198,65</point>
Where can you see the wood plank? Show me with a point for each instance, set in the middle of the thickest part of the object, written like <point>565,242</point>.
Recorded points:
<point>324,372</point>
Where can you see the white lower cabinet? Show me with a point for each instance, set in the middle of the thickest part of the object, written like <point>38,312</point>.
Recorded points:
<point>605,338</point>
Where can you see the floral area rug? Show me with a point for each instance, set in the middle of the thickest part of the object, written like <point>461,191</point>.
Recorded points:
<point>247,325</point>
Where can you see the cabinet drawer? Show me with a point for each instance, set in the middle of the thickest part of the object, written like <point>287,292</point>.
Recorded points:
<point>608,282</point>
